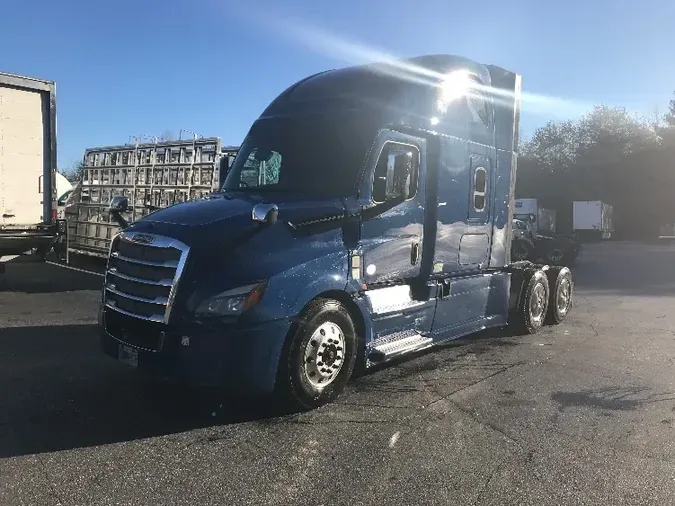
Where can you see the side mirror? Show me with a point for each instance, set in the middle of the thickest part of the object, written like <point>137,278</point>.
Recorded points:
<point>119,205</point>
<point>266,213</point>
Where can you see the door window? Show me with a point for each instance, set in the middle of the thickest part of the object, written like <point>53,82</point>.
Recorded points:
<point>396,173</point>
<point>479,189</point>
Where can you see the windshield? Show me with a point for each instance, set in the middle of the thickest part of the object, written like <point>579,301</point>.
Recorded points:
<point>313,156</point>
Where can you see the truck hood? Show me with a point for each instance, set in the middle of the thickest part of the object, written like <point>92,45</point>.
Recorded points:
<point>202,212</point>
<point>229,216</point>
<point>229,249</point>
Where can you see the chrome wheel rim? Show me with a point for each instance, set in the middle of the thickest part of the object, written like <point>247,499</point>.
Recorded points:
<point>564,296</point>
<point>324,355</point>
<point>537,303</point>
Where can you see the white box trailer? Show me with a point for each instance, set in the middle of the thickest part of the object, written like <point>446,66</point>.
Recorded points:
<point>27,164</point>
<point>592,219</point>
<point>543,220</point>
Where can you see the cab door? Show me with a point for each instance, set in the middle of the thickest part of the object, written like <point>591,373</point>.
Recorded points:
<point>391,234</point>
<point>392,213</point>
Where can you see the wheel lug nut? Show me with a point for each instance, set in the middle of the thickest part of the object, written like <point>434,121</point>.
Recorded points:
<point>322,332</point>
<point>313,343</point>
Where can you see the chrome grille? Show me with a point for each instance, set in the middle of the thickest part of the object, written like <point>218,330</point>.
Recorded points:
<point>143,274</point>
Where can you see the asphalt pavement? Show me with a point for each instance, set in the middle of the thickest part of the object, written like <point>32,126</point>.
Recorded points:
<point>581,413</point>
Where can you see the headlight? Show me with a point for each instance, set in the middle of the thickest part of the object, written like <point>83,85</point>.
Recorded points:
<point>232,302</point>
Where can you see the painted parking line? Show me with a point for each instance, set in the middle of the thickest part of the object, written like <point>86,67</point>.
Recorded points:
<point>74,268</point>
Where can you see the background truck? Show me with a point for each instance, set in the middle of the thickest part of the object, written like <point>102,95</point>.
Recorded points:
<point>153,176</point>
<point>339,239</point>
<point>542,219</point>
<point>27,164</point>
<point>539,241</point>
<point>592,220</point>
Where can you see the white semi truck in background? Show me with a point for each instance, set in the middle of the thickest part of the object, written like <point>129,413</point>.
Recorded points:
<point>536,238</point>
<point>592,219</point>
<point>542,220</point>
<point>27,165</point>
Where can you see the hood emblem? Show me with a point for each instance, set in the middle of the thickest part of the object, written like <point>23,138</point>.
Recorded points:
<point>143,238</point>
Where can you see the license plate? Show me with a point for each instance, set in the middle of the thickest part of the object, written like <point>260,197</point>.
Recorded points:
<point>128,355</point>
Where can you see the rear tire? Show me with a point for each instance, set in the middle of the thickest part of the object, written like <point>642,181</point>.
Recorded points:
<point>521,250</point>
<point>560,300</point>
<point>531,311</point>
<point>318,357</point>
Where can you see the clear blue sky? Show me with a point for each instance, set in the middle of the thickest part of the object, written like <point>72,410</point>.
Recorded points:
<point>126,68</point>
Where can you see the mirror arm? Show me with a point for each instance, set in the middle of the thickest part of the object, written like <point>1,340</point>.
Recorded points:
<point>119,219</point>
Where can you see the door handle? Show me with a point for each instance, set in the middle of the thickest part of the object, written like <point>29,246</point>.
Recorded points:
<point>415,253</point>
<point>40,184</point>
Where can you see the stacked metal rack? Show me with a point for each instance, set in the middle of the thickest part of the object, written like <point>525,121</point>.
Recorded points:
<point>152,175</point>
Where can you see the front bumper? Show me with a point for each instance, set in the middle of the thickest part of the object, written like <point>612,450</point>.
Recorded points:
<point>242,360</point>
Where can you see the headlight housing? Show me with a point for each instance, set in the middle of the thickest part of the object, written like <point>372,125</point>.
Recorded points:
<point>232,302</point>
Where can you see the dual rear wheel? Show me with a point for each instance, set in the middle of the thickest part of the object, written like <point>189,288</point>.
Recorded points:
<point>546,298</point>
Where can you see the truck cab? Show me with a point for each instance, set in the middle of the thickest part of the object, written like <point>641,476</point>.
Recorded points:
<point>367,214</point>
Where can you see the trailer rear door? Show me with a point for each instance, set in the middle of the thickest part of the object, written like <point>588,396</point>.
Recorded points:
<point>23,124</point>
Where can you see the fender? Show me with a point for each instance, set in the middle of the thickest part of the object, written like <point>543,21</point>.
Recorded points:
<point>326,282</point>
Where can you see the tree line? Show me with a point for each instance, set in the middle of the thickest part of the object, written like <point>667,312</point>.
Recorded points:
<point>610,155</point>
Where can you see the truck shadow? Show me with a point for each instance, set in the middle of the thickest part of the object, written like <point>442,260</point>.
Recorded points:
<point>59,392</point>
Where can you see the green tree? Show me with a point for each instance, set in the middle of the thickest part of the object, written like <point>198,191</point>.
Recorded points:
<point>605,155</point>
<point>667,130</point>
<point>75,172</point>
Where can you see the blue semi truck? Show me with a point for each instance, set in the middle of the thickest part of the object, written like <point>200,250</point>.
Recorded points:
<point>367,215</point>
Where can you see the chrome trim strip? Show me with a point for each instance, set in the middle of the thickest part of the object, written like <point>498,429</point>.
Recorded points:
<point>161,301</point>
<point>185,250</point>
<point>159,348</point>
<point>157,318</point>
<point>159,242</point>
<point>162,282</point>
<point>149,263</point>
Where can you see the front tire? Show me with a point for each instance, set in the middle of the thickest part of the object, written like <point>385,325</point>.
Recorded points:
<point>318,357</point>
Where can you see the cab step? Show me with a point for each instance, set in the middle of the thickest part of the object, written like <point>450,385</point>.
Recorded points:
<point>392,346</point>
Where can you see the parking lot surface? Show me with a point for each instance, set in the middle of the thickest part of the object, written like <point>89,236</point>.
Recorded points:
<point>581,413</point>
